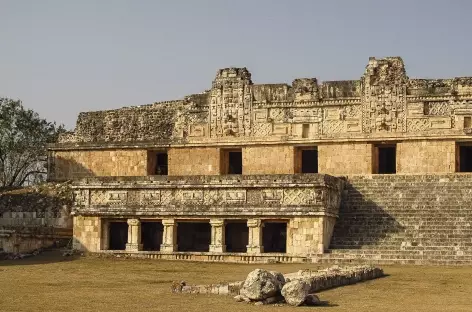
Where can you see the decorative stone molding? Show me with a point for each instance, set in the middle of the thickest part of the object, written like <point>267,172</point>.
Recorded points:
<point>250,195</point>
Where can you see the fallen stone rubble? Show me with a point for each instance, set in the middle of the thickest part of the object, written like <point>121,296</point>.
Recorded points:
<point>269,287</point>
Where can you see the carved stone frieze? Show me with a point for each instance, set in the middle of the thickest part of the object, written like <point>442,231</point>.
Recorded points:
<point>310,197</point>
<point>382,101</point>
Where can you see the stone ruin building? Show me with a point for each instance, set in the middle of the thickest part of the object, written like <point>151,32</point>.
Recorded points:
<point>373,169</point>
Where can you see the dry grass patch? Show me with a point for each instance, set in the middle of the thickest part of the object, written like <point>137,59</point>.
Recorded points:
<point>48,283</point>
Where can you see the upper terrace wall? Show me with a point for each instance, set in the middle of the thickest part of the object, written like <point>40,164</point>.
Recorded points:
<point>85,163</point>
<point>384,104</point>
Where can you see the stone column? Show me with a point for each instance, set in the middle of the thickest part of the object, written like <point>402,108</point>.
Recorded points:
<point>169,237</point>
<point>134,235</point>
<point>255,236</point>
<point>217,235</point>
<point>105,238</point>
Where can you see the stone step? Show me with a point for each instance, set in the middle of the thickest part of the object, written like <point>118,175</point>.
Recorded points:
<point>398,255</point>
<point>419,251</point>
<point>402,247</point>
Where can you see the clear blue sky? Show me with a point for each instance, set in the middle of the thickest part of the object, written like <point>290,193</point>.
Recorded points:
<point>66,56</point>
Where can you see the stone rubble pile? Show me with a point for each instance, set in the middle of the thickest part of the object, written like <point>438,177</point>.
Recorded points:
<point>270,287</point>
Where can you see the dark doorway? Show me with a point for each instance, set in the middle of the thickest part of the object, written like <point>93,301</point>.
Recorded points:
<point>193,236</point>
<point>387,159</point>
<point>157,163</point>
<point>309,161</point>
<point>235,162</point>
<point>274,237</point>
<point>118,235</point>
<point>161,164</point>
<point>151,235</point>
<point>236,236</point>
<point>465,158</point>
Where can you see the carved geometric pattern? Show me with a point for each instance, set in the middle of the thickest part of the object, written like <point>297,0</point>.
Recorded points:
<point>272,195</point>
<point>262,129</point>
<point>277,114</point>
<point>150,197</point>
<point>437,108</point>
<point>98,197</point>
<point>352,111</point>
<point>167,196</point>
<point>192,196</point>
<point>298,196</point>
<point>418,124</point>
<point>335,126</point>
<point>80,197</point>
<point>108,197</point>
<point>304,115</point>
<point>235,196</point>
<point>211,197</point>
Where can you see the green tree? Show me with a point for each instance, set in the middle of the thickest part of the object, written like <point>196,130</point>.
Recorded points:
<point>23,139</point>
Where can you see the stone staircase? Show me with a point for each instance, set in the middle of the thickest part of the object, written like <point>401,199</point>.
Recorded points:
<point>407,219</point>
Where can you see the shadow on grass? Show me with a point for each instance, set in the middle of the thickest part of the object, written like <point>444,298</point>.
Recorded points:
<point>46,257</point>
<point>326,304</point>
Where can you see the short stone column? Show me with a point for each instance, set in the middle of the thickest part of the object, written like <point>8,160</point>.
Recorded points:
<point>217,235</point>
<point>255,236</point>
<point>169,237</point>
<point>134,235</point>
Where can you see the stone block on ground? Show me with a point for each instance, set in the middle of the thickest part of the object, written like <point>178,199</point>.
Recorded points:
<point>295,292</point>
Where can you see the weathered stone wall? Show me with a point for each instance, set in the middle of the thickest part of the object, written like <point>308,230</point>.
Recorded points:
<point>268,160</point>
<point>87,233</point>
<point>345,159</point>
<point>309,236</point>
<point>426,157</point>
<point>78,164</point>
<point>305,236</point>
<point>194,161</point>
<point>35,217</point>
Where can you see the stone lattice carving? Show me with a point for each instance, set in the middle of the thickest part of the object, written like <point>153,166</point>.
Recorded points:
<point>437,108</point>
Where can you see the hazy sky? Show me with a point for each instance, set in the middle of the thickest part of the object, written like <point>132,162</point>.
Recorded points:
<point>66,56</point>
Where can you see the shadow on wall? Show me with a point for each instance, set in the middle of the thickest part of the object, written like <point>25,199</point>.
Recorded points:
<point>362,222</point>
<point>63,169</point>
<point>35,217</point>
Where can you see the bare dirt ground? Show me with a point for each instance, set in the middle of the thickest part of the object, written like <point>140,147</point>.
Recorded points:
<point>51,282</point>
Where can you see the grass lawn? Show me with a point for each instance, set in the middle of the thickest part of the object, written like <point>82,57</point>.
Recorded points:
<point>50,282</point>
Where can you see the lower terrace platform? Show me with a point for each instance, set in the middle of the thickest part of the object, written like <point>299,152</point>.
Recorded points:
<point>214,218</point>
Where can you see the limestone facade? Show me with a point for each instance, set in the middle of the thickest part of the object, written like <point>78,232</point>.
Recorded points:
<point>250,152</point>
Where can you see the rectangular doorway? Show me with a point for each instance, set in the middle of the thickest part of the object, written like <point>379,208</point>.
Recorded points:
<point>117,235</point>
<point>193,236</point>
<point>158,163</point>
<point>307,160</point>
<point>274,236</point>
<point>236,236</point>
<point>232,161</point>
<point>385,159</point>
<point>151,235</point>
<point>465,157</point>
